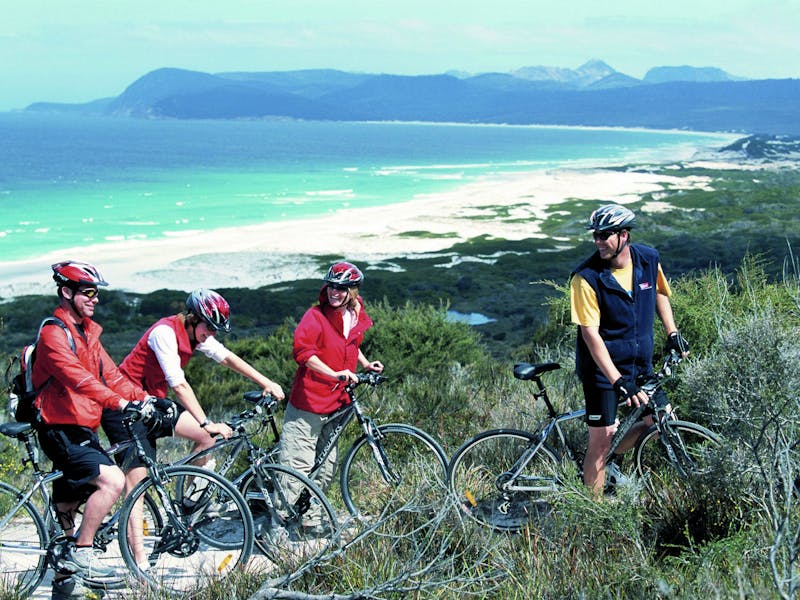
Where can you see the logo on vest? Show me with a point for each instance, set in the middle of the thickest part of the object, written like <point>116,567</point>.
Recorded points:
<point>645,285</point>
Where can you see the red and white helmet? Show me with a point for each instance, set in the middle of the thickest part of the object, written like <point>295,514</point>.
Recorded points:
<point>345,274</point>
<point>211,308</point>
<point>74,274</point>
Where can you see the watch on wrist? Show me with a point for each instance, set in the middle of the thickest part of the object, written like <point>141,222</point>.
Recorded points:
<point>205,423</point>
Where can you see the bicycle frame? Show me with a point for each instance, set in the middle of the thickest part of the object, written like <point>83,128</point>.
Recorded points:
<point>661,415</point>
<point>39,483</point>
<point>344,416</point>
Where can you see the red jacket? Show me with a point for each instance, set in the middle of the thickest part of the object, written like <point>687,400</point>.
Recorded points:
<point>141,365</point>
<point>320,333</point>
<point>81,383</point>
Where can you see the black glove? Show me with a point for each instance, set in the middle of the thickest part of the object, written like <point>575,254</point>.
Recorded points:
<point>625,388</point>
<point>140,411</point>
<point>676,342</point>
<point>166,407</point>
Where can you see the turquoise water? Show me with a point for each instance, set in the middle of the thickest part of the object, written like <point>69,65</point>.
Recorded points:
<point>67,181</point>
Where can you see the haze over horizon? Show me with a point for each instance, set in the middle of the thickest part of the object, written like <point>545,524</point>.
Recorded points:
<point>84,50</point>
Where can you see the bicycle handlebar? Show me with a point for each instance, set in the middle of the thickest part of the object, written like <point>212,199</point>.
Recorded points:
<point>369,377</point>
<point>264,403</point>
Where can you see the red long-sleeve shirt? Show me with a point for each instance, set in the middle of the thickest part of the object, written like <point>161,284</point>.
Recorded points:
<point>321,333</point>
<point>77,385</point>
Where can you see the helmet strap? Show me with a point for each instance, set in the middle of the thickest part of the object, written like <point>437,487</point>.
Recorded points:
<point>70,301</point>
<point>620,245</point>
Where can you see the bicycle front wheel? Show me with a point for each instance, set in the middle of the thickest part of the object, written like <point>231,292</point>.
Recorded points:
<point>23,543</point>
<point>481,476</point>
<point>404,470</point>
<point>672,463</point>
<point>204,535</point>
<point>294,521</point>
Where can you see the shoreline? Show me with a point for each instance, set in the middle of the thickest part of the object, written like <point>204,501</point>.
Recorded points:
<point>268,253</point>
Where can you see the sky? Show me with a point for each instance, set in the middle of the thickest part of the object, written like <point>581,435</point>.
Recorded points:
<point>81,50</point>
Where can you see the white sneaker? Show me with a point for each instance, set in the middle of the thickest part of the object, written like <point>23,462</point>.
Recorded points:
<point>615,477</point>
<point>86,562</point>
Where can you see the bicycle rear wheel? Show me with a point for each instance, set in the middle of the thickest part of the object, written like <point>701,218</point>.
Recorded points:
<point>23,544</point>
<point>413,480</point>
<point>671,464</point>
<point>203,537</point>
<point>479,476</point>
<point>294,521</point>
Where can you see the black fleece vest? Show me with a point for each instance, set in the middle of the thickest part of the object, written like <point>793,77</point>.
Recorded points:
<point>626,322</point>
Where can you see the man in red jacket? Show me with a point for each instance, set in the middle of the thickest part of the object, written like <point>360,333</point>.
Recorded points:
<point>75,387</point>
<point>327,349</point>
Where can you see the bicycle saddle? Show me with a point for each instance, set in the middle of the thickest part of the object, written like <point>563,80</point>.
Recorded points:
<point>526,371</point>
<point>16,430</point>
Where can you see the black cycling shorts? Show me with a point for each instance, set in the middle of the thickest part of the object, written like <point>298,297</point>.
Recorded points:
<point>116,433</point>
<point>601,405</point>
<point>78,453</point>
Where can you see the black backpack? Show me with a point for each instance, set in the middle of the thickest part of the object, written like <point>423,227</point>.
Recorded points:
<point>21,391</point>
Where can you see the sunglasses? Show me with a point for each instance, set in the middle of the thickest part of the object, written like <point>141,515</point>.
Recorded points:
<point>603,235</point>
<point>338,287</point>
<point>89,292</point>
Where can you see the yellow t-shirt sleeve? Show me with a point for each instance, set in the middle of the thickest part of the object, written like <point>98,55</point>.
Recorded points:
<point>584,307</point>
<point>583,303</point>
<point>662,285</point>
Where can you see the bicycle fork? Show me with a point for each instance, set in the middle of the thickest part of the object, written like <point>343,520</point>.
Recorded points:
<point>374,436</point>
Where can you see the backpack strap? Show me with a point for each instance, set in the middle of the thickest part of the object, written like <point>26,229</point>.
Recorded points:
<point>60,323</point>
<point>32,347</point>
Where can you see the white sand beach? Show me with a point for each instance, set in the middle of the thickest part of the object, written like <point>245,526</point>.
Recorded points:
<point>273,252</point>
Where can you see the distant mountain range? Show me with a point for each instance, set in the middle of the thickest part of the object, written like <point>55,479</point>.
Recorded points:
<point>594,94</point>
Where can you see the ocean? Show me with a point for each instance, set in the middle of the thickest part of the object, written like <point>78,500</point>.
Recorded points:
<point>68,181</point>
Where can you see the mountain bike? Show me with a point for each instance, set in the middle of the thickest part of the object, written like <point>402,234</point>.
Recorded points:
<point>502,478</point>
<point>384,466</point>
<point>32,539</point>
<point>172,534</point>
<point>280,498</point>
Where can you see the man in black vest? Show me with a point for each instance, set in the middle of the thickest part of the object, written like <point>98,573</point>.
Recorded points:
<point>614,296</point>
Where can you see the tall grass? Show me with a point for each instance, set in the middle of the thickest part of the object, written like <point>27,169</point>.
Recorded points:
<point>737,535</point>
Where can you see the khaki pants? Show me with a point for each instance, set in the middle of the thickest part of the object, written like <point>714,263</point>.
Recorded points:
<point>298,450</point>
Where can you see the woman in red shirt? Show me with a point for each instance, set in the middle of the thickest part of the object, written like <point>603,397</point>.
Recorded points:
<point>327,349</point>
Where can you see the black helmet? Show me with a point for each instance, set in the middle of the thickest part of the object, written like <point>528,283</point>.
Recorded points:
<point>611,217</point>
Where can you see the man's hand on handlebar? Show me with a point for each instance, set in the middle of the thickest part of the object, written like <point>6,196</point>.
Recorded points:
<point>628,391</point>
<point>142,410</point>
<point>676,342</point>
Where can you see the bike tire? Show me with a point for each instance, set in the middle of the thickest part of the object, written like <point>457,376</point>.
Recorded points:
<point>294,521</point>
<point>107,540</point>
<point>693,446</point>
<point>23,544</point>
<point>477,470</point>
<point>200,542</point>
<point>414,459</point>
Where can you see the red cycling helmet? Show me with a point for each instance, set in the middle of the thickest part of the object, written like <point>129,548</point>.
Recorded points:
<point>345,274</point>
<point>211,307</point>
<point>74,274</point>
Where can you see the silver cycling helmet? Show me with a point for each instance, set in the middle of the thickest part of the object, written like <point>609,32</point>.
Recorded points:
<point>611,217</point>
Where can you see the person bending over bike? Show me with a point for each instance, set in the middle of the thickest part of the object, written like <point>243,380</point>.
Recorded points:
<point>76,386</point>
<point>614,296</point>
<point>157,364</point>
<point>327,349</point>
